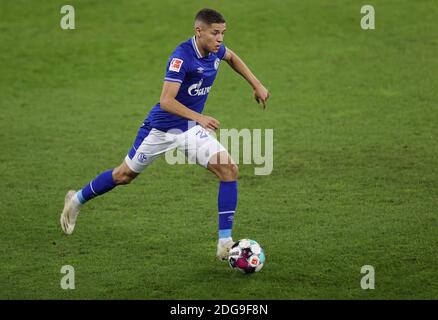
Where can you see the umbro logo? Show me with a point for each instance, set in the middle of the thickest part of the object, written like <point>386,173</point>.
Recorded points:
<point>200,70</point>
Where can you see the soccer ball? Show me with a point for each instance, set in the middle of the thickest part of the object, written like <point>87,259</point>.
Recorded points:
<point>246,256</point>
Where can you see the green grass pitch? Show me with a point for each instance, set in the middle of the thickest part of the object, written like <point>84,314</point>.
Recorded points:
<point>355,179</point>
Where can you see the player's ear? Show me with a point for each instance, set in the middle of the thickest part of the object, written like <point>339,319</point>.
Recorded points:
<point>198,28</point>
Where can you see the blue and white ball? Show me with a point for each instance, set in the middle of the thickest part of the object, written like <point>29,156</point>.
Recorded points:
<point>246,256</point>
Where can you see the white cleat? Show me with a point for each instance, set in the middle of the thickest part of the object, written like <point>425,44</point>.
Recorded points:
<point>223,248</point>
<point>69,214</point>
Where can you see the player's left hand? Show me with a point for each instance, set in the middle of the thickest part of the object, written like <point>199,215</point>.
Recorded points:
<point>261,94</point>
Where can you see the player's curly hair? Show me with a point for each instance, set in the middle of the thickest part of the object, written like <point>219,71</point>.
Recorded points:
<point>209,16</point>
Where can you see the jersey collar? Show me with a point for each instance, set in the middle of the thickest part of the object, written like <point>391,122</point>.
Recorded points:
<point>195,47</point>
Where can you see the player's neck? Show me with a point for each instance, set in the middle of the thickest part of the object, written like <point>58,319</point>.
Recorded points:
<point>203,52</point>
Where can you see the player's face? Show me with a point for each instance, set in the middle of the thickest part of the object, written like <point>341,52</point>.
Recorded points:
<point>211,36</point>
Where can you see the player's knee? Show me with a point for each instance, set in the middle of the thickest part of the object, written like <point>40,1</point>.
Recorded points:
<point>229,172</point>
<point>121,176</point>
<point>124,179</point>
<point>234,171</point>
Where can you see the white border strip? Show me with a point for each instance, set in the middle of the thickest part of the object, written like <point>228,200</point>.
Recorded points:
<point>91,186</point>
<point>198,54</point>
<point>173,80</point>
<point>222,212</point>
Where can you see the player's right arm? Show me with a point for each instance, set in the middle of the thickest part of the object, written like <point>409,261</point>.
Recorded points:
<point>170,104</point>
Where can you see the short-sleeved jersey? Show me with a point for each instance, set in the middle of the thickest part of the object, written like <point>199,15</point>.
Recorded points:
<point>196,75</point>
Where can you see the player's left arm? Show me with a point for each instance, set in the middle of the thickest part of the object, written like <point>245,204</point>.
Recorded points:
<point>261,94</point>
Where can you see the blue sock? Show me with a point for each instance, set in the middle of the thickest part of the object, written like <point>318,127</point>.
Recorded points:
<point>227,202</point>
<point>101,184</point>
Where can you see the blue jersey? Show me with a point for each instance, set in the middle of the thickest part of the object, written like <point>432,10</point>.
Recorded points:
<point>196,75</point>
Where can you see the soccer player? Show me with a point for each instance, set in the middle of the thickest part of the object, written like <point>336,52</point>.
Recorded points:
<point>191,71</point>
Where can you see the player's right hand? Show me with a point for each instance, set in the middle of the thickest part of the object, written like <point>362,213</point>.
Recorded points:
<point>208,123</point>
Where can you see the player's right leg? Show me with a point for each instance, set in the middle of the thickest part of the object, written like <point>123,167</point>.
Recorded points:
<point>104,182</point>
<point>148,145</point>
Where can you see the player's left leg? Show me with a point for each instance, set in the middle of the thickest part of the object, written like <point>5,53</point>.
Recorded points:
<point>223,166</point>
<point>200,146</point>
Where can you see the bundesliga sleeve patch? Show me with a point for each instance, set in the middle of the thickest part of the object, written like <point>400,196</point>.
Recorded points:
<point>175,64</point>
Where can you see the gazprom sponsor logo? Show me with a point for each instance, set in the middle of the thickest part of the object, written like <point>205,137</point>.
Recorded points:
<point>196,90</point>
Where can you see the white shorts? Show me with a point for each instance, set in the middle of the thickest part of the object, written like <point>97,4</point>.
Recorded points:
<point>197,144</point>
